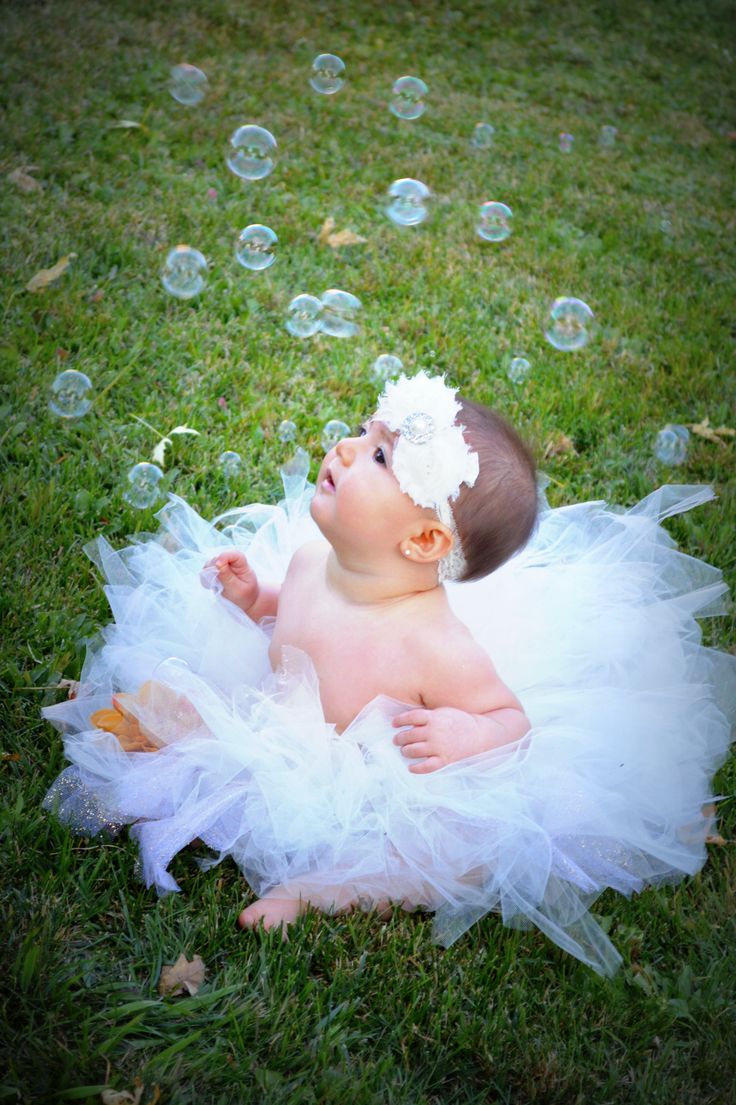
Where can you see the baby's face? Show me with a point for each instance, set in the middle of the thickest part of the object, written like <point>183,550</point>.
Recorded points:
<point>358,498</point>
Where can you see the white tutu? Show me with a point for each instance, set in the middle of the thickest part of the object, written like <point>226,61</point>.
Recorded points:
<point>592,625</point>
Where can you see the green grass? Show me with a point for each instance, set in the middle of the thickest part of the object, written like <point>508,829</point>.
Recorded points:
<point>351,1009</point>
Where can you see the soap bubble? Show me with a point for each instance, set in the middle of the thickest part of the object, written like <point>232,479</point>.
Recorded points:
<point>386,367</point>
<point>665,226</point>
<point>188,84</point>
<point>608,136</point>
<point>570,322</point>
<point>566,141</point>
<point>254,247</point>
<point>408,101</point>
<point>482,137</point>
<point>339,313</point>
<point>671,444</point>
<point>144,479</point>
<point>297,466</point>
<point>251,153</point>
<point>69,394</point>
<point>518,370</point>
<point>185,272</point>
<point>304,316</point>
<point>495,221</point>
<point>407,206</point>
<point>287,430</point>
<point>230,462</point>
<point>327,74</point>
<point>334,431</point>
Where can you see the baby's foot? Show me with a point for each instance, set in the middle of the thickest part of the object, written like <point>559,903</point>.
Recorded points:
<point>273,912</point>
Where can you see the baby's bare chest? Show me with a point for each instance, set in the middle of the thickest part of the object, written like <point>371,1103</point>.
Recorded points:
<point>356,655</point>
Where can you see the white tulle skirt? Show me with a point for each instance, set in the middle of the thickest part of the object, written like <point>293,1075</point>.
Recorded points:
<point>592,625</point>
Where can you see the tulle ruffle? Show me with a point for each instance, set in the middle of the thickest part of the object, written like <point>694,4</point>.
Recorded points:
<point>594,627</point>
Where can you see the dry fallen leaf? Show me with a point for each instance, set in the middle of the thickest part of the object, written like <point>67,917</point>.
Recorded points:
<point>126,124</point>
<point>710,433</point>
<point>182,977</point>
<point>24,181</point>
<point>338,238</point>
<point>715,838</point>
<point>44,277</point>
<point>327,228</point>
<point>558,444</point>
<point>10,757</point>
<point>123,1097</point>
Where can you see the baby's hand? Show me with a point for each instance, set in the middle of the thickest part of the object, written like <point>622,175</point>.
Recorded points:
<point>239,581</point>
<point>443,736</point>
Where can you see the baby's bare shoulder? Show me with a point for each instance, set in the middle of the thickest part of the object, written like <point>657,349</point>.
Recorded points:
<point>456,671</point>
<point>308,554</point>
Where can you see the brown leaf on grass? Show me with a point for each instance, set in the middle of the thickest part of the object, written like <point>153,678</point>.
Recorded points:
<point>710,433</point>
<point>23,180</point>
<point>10,757</point>
<point>338,238</point>
<point>715,838</point>
<point>558,444</point>
<point>44,277</point>
<point>123,1097</point>
<point>182,977</point>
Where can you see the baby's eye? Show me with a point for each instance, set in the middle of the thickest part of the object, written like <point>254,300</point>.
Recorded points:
<point>379,456</point>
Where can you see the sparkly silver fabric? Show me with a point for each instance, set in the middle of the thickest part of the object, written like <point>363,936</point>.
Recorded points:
<point>418,428</point>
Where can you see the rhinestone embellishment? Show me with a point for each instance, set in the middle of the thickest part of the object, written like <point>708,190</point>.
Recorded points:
<point>418,428</point>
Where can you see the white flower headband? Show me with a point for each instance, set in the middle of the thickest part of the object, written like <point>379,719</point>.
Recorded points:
<point>431,459</point>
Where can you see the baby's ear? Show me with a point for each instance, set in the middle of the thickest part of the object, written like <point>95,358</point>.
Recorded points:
<point>430,544</point>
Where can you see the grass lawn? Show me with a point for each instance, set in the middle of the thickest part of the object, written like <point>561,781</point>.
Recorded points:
<point>351,1010</point>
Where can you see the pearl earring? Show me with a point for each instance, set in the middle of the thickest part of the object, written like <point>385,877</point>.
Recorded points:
<point>407,552</point>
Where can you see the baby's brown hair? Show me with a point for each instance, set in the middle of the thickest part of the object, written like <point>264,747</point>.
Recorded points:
<point>496,516</point>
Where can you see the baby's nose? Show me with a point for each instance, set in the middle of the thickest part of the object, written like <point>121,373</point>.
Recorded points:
<point>345,451</point>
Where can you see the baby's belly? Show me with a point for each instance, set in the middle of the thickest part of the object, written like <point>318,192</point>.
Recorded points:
<point>348,681</point>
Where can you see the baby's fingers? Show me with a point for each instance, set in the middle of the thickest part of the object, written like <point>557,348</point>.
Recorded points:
<point>432,763</point>
<point>416,749</point>
<point>411,717</point>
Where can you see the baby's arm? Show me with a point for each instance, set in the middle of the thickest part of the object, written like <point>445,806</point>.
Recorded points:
<point>240,585</point>
<point>468,710</point>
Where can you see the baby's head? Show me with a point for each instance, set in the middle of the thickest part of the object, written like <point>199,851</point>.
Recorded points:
<point>497,515</point>
<point>469,465</point>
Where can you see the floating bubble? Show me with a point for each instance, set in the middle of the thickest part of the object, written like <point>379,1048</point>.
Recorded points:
<point>185,272</point>
<point>482,137</point>
<point>251,153</point>
<point>566,141</point>
<point>665,226</point>
<point>188,84</point>
<point>607,136</point>
<point>144,479</point>
<point>386,367</point>
<point>407,206</point>
<point>339,313</point>
<point>69,394</point>
<point>287,431</point>
<point>230,462</point>
<point>297,466</point>
<point>671,444</point>
<point>327,74</point>
<point>334,431</point>
<point>518,370</point>
<point>304,316</point>
<point>570,323</point>
<point>254,247</point>
<point>408,101</point>
<point>495,221</point>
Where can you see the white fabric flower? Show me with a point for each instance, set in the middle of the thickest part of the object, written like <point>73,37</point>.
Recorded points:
<point>431,459</point>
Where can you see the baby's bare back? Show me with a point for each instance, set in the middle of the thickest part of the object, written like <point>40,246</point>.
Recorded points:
<point>358,651</point>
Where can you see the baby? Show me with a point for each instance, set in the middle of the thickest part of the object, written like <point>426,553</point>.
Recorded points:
<point>431,488</point>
